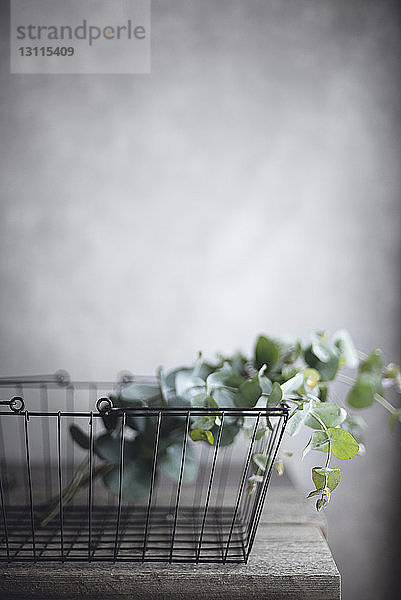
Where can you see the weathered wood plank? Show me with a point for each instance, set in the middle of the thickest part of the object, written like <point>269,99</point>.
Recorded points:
<point>288,562</point>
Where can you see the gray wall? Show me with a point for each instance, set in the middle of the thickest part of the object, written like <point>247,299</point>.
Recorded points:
<point>249,184</point>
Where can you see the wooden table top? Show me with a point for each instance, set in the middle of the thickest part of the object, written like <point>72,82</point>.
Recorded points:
<point>290,560</point>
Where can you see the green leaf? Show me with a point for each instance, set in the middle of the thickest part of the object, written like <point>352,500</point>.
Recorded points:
<point>225,376</point>
<point>204,422</point>
<point>188,385</point>
<point>108,447</point>
<point>327,369</point>
<point>319,475</point>
<point>276,396</point>
<point>291,385</point>
<point>202,435</point>
<point>260,460</point>
<point>362,394</point>
<point>373,364</point>
<point>321,503</point>
<point>330,414</point>
<point>142,392</point>
<point>343,341</point>
<point>343,445</point>
<point>170,463</point>
<point>296,421</point>
<point>228,433</point>
<point>248,393</point>
<point>135,482</point>
<point>266,353</point>
<point>80,437</point>
<point>320,441</point>
<point>369,382</point>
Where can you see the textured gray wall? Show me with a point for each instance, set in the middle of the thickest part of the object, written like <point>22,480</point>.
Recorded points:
<point>249,184</point>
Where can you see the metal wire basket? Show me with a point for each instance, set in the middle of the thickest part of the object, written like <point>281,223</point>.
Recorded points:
<point>212,518</point>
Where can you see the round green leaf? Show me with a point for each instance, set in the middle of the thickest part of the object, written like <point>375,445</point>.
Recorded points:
<point>327,369</point>
<point>136,480</point>
<point>362,394</point>
<point>170,463</point>
<point>331,415</point>
<point>319,477</point>
<point>343,445</point>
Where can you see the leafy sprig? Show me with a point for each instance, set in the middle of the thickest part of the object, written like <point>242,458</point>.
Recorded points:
<point>278,371</point>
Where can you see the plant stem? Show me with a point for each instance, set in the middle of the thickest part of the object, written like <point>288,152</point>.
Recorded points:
<point>78,481</point>
<point>385,403</point>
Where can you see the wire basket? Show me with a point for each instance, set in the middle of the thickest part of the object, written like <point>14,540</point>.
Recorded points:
<point>203,511</point>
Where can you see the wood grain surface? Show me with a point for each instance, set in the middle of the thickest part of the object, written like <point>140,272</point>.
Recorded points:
<point>290,560</point>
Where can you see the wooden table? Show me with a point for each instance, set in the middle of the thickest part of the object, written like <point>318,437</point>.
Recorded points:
<point>291,560</point>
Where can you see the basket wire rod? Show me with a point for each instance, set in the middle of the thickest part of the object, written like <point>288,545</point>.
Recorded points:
<point>60,485</point>
<point>209,489</point>
<point>252,508</point>
<point>265,488</point>
<point>3,512</point>
<point>3,462</point>
<point>177,502</point>
<point>241,488</point>
<point>120,488</point>
<point>21,434</point>
<point>152,483</point>
<point>70,405</point>
<point>28,467</point>
<point>90,490</point>
<point>44,406</point>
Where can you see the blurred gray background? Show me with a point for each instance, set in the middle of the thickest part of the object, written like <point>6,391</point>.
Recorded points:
<point>249,184</point>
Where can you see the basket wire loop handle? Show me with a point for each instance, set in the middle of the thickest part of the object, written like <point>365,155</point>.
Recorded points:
<point>152,483</point>
<point>177,502</point>
<point>120,489</point>
<point>265,487</point>
<point>209,489</point>
<point>3,511</point>
<point>28,467</point>
<point>90,491</point>
<point>60,485</point>
<point>241,488</point>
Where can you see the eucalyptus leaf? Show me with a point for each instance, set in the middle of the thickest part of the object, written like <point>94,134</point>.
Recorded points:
<point>330,414</point>
<point>267,352</point>
<point>327,369</point>
<point>108,447</point>
<point>343,341</point>
<point>135,481</point>
<point>297,420</point>
<point>248,393</point>
<point>201,435</point>
<point>228,433</point>
<point>141,392</point>
<point>275,396</point>
<point>205,422</point>
<point>326,477</point>
<point>170,463</point>
<point>362,394</point>
<point>343,445</point>
<point>80,437</point>
<point>260,460</point>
